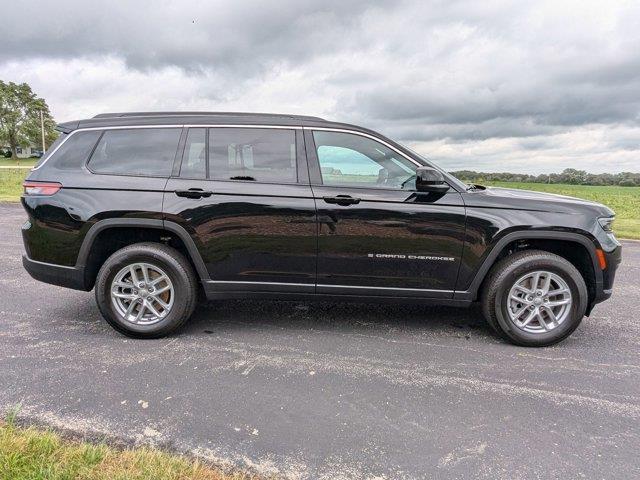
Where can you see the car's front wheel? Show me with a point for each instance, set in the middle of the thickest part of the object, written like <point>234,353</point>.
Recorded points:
<point>146,290</point>
<point>534,298</point>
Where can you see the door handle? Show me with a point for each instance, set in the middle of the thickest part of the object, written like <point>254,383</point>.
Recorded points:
<point>342,200</point>
<point>194,193</point>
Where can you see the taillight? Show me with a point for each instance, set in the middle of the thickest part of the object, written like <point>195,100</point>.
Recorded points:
<point>41,188</point>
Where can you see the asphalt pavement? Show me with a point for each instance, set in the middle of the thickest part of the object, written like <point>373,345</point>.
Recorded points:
<point>330,391</point>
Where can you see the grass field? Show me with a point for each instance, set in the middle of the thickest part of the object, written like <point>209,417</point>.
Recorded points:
<point>11,183</point>
<point>29,453</point>
<point>23,162</point>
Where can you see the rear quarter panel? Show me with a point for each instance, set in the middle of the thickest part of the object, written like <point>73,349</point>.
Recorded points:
<point>59,223</point>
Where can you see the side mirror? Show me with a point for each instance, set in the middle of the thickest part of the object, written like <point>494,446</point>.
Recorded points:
<point>430,180</point>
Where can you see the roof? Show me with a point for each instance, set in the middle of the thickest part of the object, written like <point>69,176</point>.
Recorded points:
<point>117,119</point>
<point>204,114</point>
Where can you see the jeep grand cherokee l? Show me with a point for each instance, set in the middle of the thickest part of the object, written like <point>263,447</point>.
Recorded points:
<point>149,209</point>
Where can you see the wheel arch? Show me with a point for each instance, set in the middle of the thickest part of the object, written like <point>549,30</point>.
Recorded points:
<point>86,256</point>
<point>538,240</point>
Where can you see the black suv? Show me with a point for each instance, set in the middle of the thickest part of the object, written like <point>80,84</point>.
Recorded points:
<point>153,208</point>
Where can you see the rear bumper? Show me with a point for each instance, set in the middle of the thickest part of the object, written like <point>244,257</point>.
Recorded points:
<point>69,277</point>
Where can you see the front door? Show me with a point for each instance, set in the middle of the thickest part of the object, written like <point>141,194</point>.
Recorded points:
<point>242,196</point>
<point>377,235</point>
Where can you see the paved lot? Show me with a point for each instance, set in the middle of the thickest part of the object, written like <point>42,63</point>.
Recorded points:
<point>331,391</point>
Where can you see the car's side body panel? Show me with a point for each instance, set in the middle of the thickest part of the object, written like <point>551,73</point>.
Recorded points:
<point>250,235</point>
<point>390,240</point>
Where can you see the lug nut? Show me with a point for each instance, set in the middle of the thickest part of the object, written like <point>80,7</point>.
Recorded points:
<point>150,289</point>
<point>539,293</point>
<point>149,298</point>
<point>531,307</point>
<point>135,292</point>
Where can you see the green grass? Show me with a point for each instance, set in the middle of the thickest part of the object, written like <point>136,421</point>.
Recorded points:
<point>625,201</point>
<point>30,453</point>
<point>23,162</point>
<point>11,183</point>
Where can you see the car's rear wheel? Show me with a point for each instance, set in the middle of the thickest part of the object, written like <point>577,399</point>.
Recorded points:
<point>534,298</point>
<point>146,290</point>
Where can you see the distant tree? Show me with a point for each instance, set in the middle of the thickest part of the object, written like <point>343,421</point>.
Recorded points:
<point>569,175</point>
<point>627,183</point>
<point>20,111</point>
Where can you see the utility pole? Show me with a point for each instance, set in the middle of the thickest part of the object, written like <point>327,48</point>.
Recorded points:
<point>42,128</point>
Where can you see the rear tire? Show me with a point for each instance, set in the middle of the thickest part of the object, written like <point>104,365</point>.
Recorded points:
<point>534,298</point>
<point>146,290</point>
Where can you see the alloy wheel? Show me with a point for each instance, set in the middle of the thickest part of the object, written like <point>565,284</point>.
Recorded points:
<point>142,293</point>
<point>539,301</point>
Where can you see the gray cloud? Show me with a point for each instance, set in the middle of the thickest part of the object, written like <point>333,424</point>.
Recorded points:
<point>441,74</point>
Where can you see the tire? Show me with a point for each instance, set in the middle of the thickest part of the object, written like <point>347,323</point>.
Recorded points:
<point>499,307</point>
<point>163,264</point>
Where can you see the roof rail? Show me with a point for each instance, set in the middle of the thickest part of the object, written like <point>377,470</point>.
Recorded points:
<point>204,114</point>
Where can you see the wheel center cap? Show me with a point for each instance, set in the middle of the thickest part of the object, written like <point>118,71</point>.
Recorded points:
<point>537,301</point>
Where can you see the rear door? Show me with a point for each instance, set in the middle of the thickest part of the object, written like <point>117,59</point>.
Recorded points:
<point>377,235</point>
<point>243,195</point>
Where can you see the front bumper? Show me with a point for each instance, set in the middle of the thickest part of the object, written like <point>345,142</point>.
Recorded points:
<point>604,285</point>
<point>69,277</point>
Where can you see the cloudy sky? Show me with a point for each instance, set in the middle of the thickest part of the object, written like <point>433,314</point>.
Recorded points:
<point>484,85</point>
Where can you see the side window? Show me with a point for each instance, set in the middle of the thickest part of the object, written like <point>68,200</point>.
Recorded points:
<point>253,154</point>
<point>74,151</point>
<point>349,159</point>
<point>139,151</point>
<point>194,159</point>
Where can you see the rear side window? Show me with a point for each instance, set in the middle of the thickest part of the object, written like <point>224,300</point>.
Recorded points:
<point>253,154</point>
<point>51,149</point>
<point>73,152</point>
<point>139,151</point>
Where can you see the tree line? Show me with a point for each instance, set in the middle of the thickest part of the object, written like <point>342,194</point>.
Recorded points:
<point>568,175</point>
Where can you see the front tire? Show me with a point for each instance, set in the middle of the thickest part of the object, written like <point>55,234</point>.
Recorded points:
<point>534,298</point>
<point>146,290</point>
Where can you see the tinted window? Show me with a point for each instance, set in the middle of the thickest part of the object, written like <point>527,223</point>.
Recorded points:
<point>194,159</point>
<point>74,151</point>
<point>143,151</point>
<point>255,154</point>
<point>348,159</point>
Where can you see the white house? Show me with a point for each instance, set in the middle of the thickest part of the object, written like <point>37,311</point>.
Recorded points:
<point>24,152</point>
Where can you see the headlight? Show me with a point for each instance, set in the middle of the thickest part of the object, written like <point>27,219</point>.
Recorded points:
<point>607,224</point>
